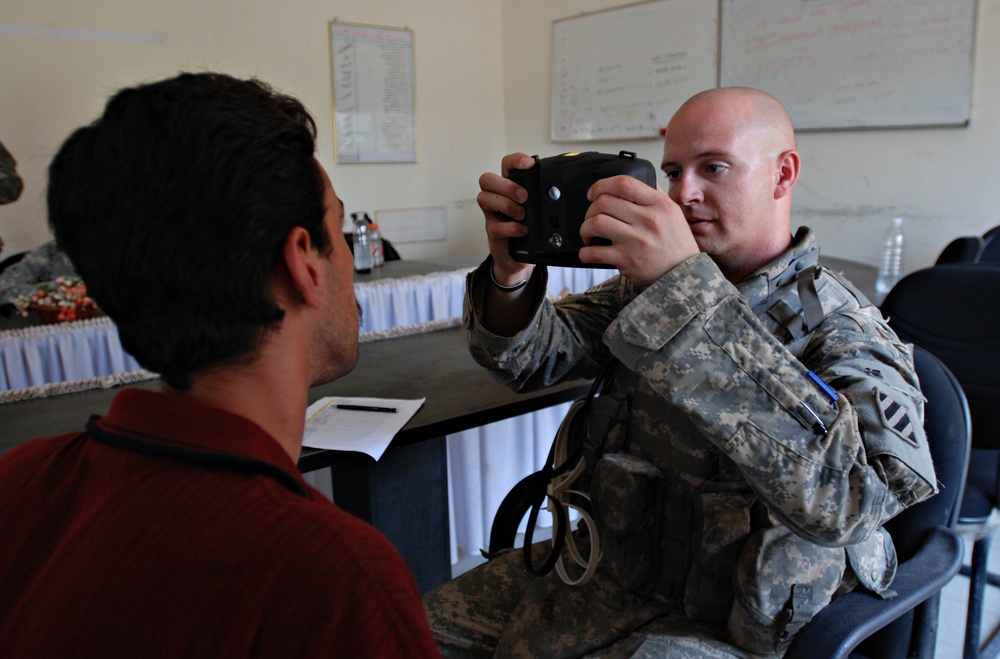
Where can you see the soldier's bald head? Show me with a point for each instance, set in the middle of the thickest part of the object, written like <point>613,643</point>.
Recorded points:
<point>730,158</point>
<point>753,113</point>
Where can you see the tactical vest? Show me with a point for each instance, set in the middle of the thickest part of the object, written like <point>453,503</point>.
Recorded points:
<point>677,520</point>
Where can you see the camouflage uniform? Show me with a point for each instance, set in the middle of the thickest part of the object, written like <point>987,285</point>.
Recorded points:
<point>42,264</point>
<point>762,498</point>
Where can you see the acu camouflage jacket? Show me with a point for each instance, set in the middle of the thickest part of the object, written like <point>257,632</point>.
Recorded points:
<point>771,488</point>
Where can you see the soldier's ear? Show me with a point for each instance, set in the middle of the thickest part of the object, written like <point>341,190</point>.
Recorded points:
<point>786,173</point>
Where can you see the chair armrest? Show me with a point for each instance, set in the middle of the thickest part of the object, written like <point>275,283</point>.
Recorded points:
<point>840,627</point>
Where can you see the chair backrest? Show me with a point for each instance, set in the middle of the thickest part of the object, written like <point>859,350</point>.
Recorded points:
<point>949,434</point>
<point>990,253</point>
<point>11,260</point>
<point>991,232</point>
<point>964,249</point>
<point>953,311</point>
<point>948,426</point>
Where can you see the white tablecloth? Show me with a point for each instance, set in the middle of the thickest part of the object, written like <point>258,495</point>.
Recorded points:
<point>46,354</point>
<point>389,303</point>
<point>483,463</point>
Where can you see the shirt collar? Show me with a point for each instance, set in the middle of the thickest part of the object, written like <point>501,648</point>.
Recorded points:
<point>762,282</point>
<point>174,425</point>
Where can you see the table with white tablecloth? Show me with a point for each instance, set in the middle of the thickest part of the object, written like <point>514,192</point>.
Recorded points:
<point>36,355</point>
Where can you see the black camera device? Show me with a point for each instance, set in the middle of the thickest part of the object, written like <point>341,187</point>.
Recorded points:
<point>557,202</point>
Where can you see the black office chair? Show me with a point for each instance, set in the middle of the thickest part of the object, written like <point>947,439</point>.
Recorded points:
<point>11,260</point>
<point>991,232</point>
<point>964,249</point>
<point>990,253</point>
<point>953,312</point>
<point>930,551</point>
<point>8,310</point>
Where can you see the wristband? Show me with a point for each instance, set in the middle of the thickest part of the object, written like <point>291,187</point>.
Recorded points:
<point>508,289</point>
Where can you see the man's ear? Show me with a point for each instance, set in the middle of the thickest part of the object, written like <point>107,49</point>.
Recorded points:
<point>789,165</point>
<point>302,263</point>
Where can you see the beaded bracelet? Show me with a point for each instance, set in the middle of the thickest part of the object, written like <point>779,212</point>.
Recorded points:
<point>508,289</point>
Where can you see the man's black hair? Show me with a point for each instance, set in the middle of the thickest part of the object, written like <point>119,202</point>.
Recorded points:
<point>174,206</point>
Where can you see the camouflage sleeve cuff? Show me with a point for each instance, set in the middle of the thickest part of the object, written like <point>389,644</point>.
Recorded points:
<point>476,284</point>
<point>662,310</point>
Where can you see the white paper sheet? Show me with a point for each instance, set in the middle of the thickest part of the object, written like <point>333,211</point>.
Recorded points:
<point>330,427</point>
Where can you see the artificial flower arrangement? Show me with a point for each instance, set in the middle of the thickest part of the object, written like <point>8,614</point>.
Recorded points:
<point>60,301</point>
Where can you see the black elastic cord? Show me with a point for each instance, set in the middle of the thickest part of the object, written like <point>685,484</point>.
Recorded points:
<point>217,460</point>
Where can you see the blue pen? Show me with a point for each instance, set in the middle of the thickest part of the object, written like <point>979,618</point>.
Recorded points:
<point>827,389</point>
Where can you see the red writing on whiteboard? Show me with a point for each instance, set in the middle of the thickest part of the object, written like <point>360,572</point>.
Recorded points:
<point>857,26</point>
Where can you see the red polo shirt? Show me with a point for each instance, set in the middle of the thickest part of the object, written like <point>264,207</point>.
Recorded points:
<point>173,529</point>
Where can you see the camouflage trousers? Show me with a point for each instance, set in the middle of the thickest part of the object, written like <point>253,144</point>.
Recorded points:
<point>501,610</point>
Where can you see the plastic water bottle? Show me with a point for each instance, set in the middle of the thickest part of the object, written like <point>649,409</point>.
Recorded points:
<point>378,249</point>
<point>362,248</point>
<point>891,268</point>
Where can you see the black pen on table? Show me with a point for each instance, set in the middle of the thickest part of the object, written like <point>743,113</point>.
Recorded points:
<point>367,408</point>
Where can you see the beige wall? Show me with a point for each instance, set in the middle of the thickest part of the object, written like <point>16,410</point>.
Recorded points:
<point>943,181</point>
<point>482,83</point>
<point>50,86</point>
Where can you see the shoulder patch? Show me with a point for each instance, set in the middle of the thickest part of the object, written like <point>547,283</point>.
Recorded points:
<point>894,417</point>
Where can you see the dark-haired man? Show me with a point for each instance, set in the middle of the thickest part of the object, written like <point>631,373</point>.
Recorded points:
<point>761,424</point>
<point>178,524</point>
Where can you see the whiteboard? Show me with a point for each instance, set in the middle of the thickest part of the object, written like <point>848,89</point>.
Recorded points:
<point>622,73</point>
<point>410,225</point>
<point>854,63</point>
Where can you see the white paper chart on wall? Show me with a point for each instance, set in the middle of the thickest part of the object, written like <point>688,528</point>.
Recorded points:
<point>621,73</point>
<point>854,63</point>
<point>373,93</point>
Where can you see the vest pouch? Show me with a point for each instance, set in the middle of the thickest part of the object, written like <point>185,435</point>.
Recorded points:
<point>607,423</point>
<point>874,562</point>
<point>720,526</point>
<point>627,498</point>
<point>782,581</point>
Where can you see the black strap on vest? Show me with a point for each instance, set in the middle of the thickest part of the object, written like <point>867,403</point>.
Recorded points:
<point>530,494</point>
<point>812,308</point>
<point>801,314</point>
<point>215,460</point>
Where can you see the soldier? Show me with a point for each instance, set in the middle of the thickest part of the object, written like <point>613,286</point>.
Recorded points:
<point>760,425</point>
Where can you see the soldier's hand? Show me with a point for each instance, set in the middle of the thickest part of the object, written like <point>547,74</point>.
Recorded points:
<point>501,199</point>
<point>647,230</point>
